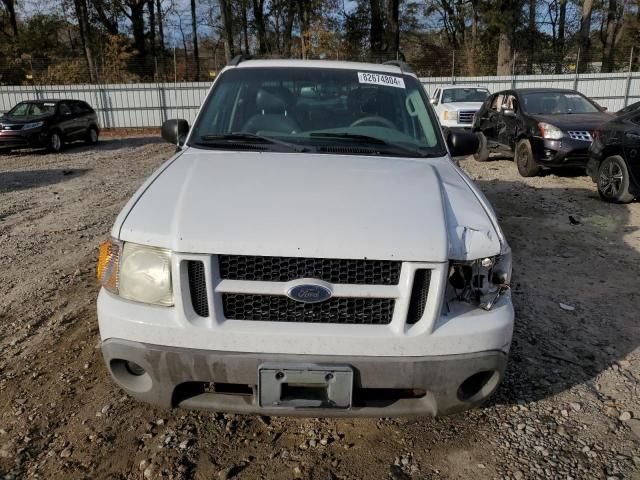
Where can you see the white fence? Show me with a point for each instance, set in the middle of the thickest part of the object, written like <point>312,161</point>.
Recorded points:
<point>611,90</point>
<point>149,104</point>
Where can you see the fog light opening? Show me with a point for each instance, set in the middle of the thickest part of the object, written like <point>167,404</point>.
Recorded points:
<point>130,375</point>
<point>134,369</point>
<point>478,385</point>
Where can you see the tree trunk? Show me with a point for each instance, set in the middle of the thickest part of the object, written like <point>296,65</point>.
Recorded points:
<point>245,27</point>
<point>11,10</point>
<point>194,34</point>
<point>584,40</point>
<point>559,53</point>
<point>136,15</point>
<point>83,27</point>
<point>613,24</point>
<point>394,28</point>
<point>261,31</point>
<point>532,35</point>
<point>160,34</point>
<point>504,54</point>
<point>475,20</point>
<point>376,31</point>
<point>227,25</point>
<point>288,27</point>
<point>110,22</point>
<point>152,29</point>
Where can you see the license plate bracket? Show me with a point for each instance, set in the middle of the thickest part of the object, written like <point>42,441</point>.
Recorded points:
<point>305,386</point>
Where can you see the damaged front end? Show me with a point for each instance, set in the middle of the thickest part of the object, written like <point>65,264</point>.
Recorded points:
<point>479,282</point>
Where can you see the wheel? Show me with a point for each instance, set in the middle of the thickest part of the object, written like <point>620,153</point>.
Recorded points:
<point>482,155</point>
<point>55,142</point>
<point>527,165</point>
<point>613,180</point>
<point>92,136</point>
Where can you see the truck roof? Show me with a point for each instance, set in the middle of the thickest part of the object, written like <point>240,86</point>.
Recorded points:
<point>372,67</point>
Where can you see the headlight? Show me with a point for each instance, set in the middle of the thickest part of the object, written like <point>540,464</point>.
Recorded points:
<point>29,126</point>
<point>550,131</point>
<point>136,272</point>
<point>450,115</point>
<point>480,281</point>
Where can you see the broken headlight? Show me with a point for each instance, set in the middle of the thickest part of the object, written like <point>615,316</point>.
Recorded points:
<point>481,281</point>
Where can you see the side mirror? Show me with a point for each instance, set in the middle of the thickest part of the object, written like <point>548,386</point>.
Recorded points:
<point>175,131</point>
<point>434,101</point>
<point>462,143</point>
<point>509,112</point>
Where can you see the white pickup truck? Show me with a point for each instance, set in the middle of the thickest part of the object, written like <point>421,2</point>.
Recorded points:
<point>311,249</point>
<point>456,105</point>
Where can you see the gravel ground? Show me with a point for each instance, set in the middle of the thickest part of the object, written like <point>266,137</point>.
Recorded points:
<point>569,406</point>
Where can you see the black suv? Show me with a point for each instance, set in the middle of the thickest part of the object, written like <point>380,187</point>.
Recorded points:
<point>614,162</point>
<point>48,124</point>
<point>542,127</point>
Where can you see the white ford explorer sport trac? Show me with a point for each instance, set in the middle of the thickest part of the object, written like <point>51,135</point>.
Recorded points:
<point>310,249</point>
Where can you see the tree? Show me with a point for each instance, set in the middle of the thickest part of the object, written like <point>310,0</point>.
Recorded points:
<point>194,33</point>
<point>376,30</point>
<point>83,28</point>
<point>258,19</point>
<point>584,40</point>
<point>610,32</point>
<point>11,11</point>
<point>226,16</point>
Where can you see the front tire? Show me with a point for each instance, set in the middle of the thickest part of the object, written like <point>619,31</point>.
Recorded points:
<point>613,180</point>
<point>482,155</point>
<point>92,136</point>
<point>55,143</point>
<point>527,165</point>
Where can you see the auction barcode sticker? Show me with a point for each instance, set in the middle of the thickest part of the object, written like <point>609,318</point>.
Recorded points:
<point>379,79</point>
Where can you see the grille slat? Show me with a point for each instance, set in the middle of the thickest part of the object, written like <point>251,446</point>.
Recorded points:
<point>275,308</point>
<point>466,116</point>
<point>419,295</point>
<point>332,270</point>
<point>198,287</point>
<point>580,135</point>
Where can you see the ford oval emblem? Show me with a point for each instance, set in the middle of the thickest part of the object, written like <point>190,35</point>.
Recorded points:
<point>309,293</point>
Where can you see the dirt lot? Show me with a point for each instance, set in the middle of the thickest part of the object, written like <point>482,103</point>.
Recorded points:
<point>569,407</point>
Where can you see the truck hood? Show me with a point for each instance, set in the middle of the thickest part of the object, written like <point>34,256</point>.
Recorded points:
<point>575,121</point>
<point>311,205</point>
<point>462,106</point>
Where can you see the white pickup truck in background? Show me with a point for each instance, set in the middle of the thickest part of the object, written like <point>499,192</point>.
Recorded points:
<point>456,105</point>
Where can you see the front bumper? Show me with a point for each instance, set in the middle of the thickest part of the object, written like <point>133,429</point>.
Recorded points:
<point>32,138</point>
<point>383,386</point>
<point>560,153</point>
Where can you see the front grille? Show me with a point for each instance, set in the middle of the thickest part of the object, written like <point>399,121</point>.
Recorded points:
<point>277,308</point>
<point>580,135</point>
<point>198,288</point>
<point>466,116</point>
<point>332,270</point>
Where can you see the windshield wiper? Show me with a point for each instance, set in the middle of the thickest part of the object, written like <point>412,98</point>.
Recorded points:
<point>232,137</point>
<point>378,142</point>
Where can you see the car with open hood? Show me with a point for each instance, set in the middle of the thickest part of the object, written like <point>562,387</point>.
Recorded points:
<point>48,124</point>
<point>541,127</point>
<point>310,249</point>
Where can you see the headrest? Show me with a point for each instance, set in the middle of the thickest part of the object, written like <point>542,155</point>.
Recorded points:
<point>273,99</point>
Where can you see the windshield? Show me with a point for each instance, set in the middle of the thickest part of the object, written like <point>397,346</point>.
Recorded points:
<point>317,108</point>
<point>557,103</point>
<point>32,109</point>
<point>453,95</point>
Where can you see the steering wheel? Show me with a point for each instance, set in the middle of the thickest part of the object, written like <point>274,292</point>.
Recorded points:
<point>374,120</point>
